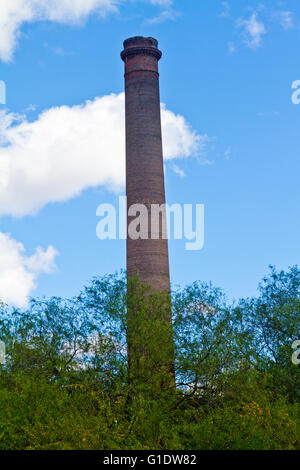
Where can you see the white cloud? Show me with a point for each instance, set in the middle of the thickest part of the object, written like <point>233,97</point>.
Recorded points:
<point>253,30</point>
<point>69,149</point>
<point>18,272</point>
<point>13,13</point>
<point>179,139</point>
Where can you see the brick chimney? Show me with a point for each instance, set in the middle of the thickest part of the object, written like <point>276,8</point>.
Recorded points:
<point>144,158</point>
<point>147,257</point>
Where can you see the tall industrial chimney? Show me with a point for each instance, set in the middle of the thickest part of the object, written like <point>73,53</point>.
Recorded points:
<point>147,257</point>
<point>144,158</point>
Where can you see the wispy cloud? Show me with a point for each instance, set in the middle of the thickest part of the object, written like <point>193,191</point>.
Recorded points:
<point>167,12</point>
<point>165,15</point>
<point>30,108</point>
<point>178,171</point>
<point>162,3</point>
<point>225,13</point>
<point>253,30</point>
<point>258,24</point>
<point>58,50</point>
<point>285,19</point>
<point>231,47</point>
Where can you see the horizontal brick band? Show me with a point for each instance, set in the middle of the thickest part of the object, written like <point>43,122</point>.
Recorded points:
<point>141,50</point>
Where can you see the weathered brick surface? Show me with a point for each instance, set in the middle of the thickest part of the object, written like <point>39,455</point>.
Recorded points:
<point>144,157</point>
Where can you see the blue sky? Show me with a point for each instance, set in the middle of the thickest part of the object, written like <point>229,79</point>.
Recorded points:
<point>231,131</point>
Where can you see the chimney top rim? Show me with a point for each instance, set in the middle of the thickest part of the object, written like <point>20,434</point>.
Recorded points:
<point>140,40</point>
<point>140,45</point>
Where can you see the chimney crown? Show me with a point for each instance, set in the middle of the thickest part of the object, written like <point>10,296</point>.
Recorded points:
<point>140,45</point>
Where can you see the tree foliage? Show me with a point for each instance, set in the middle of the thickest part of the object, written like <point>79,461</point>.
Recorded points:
<point>65,383</point>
